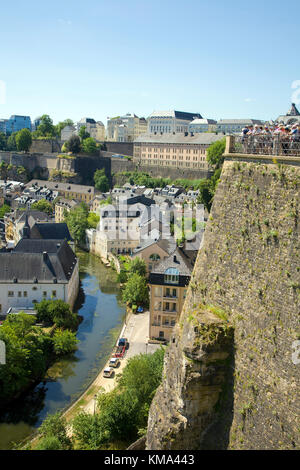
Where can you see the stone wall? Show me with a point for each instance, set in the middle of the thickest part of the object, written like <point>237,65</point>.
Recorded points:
<point>46,146</point>
<point>230,378</point>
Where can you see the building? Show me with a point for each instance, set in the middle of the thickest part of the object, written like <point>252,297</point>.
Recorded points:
<point>125,128</point>
<point>169,122</point>
<point>174,150</point>
<point>202,125</point>
<point>154,251</point>
<point>3,126</point>
<point>37,270</point>
<point>67,190</point>
<point>168,284</point>
<point>95,129</point>
<point>67,132</point>
<point>16,123</point>
<point>15,221</point>
<point>63,205</point>
<point>291,117</point>
<point>235,126</point>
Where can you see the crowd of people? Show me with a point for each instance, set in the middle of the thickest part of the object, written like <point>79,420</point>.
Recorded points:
<point>275,140</point>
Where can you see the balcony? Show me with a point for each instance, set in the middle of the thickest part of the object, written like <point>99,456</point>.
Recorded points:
<point>263,147</point>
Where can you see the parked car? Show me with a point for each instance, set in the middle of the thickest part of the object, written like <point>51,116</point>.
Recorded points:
<point>123,342</point>
<point>140,310</point>
<point>114,362</point>
<point>108,372</point>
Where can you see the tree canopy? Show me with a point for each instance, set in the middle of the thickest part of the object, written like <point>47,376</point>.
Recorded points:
<point>23,140</point>
<point>101,181</point>
<point>77,221</point>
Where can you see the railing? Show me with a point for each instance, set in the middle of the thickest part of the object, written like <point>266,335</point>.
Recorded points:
<point>261,144</point>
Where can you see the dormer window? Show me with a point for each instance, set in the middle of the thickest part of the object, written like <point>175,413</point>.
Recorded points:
<point>171,276</point>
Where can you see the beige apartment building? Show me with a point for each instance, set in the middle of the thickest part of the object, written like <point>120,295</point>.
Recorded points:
<point>168,284</point>
<point>61,206</point>
<point>174,150</point>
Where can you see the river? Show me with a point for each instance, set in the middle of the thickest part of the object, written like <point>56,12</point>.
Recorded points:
<point>103,313</point>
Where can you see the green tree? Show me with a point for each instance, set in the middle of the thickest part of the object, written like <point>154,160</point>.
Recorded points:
<point>77,221</point>
<point>101,181</point>
<point>205,194</point>
<point>137,266</point>
<point>215,153</point>
<point>93,220</point>
<point>56,311</point>
<point>73,144</point>
<point>4,210</point>
<point>64,342</point>
<point>23,140</point>
<point>49,443</point>
<point>56,426</point>
<point>3,142</point>
<point>88,431</point>
<point>136,290</point>
<point>46,127</point>
<point>89,145</point>
<point>43,205</point>
<point>11,142</point>
<point>83,134</point>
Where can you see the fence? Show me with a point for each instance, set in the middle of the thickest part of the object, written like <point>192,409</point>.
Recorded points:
<point>280,145</point>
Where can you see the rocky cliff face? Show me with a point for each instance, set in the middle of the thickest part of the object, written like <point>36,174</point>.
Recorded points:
<point>230,377</point>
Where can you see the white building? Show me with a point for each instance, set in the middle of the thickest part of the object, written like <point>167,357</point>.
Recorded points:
<point>37,270</point>
<point>169,122</point>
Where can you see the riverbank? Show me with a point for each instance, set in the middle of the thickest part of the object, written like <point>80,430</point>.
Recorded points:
<point>136,330</point>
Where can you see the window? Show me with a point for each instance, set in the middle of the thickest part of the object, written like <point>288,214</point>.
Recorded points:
<point>45,293</point>
<point>158,291</point>
<point>19,294</point>
<point>10,293</point>
<point>25,293</point>
<point>171,276</point>
<point>54,293</point>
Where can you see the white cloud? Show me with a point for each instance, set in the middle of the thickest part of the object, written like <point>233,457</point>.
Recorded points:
<point>64,22</point>
<point>249,100</point>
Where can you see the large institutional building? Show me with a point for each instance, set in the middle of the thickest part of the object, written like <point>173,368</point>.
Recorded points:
<point>169,122</point>
<point>174,150</point>
<point>125,128</point>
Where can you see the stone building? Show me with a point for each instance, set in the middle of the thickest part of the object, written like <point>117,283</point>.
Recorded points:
<point>63,205</point>
<point>68,190</point>
<point>174,150</point>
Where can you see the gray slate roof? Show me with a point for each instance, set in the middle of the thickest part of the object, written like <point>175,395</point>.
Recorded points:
<point>26,262</point>
<point>202,139</point>
<point>182,263</point>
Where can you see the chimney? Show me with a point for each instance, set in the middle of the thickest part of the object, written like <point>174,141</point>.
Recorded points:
<point>45,255</point>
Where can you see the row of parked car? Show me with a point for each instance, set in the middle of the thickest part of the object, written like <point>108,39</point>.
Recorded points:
<point>118,354</point>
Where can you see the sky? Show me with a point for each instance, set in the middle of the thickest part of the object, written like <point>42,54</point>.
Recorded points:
<point>100,58</point>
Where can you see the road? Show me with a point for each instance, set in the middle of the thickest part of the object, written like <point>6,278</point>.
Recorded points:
<point>137,333</point>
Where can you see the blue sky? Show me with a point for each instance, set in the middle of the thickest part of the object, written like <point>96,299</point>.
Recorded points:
<point>99,58</point>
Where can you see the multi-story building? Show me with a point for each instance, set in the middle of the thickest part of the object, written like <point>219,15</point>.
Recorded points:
<point>202,125</point>
<point>125,128</point>
<point>174,150</point>
<point>235,126</point>
<point>37,270</point>
<point>154,251</point>
<point>16,123</point>
<point>3,126</point>
<point>16,220</point>
<point>169,122</point>
<point>168,284</point>
<point>95,129</point>
<point>63,205</point>
<point>67,190</point>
